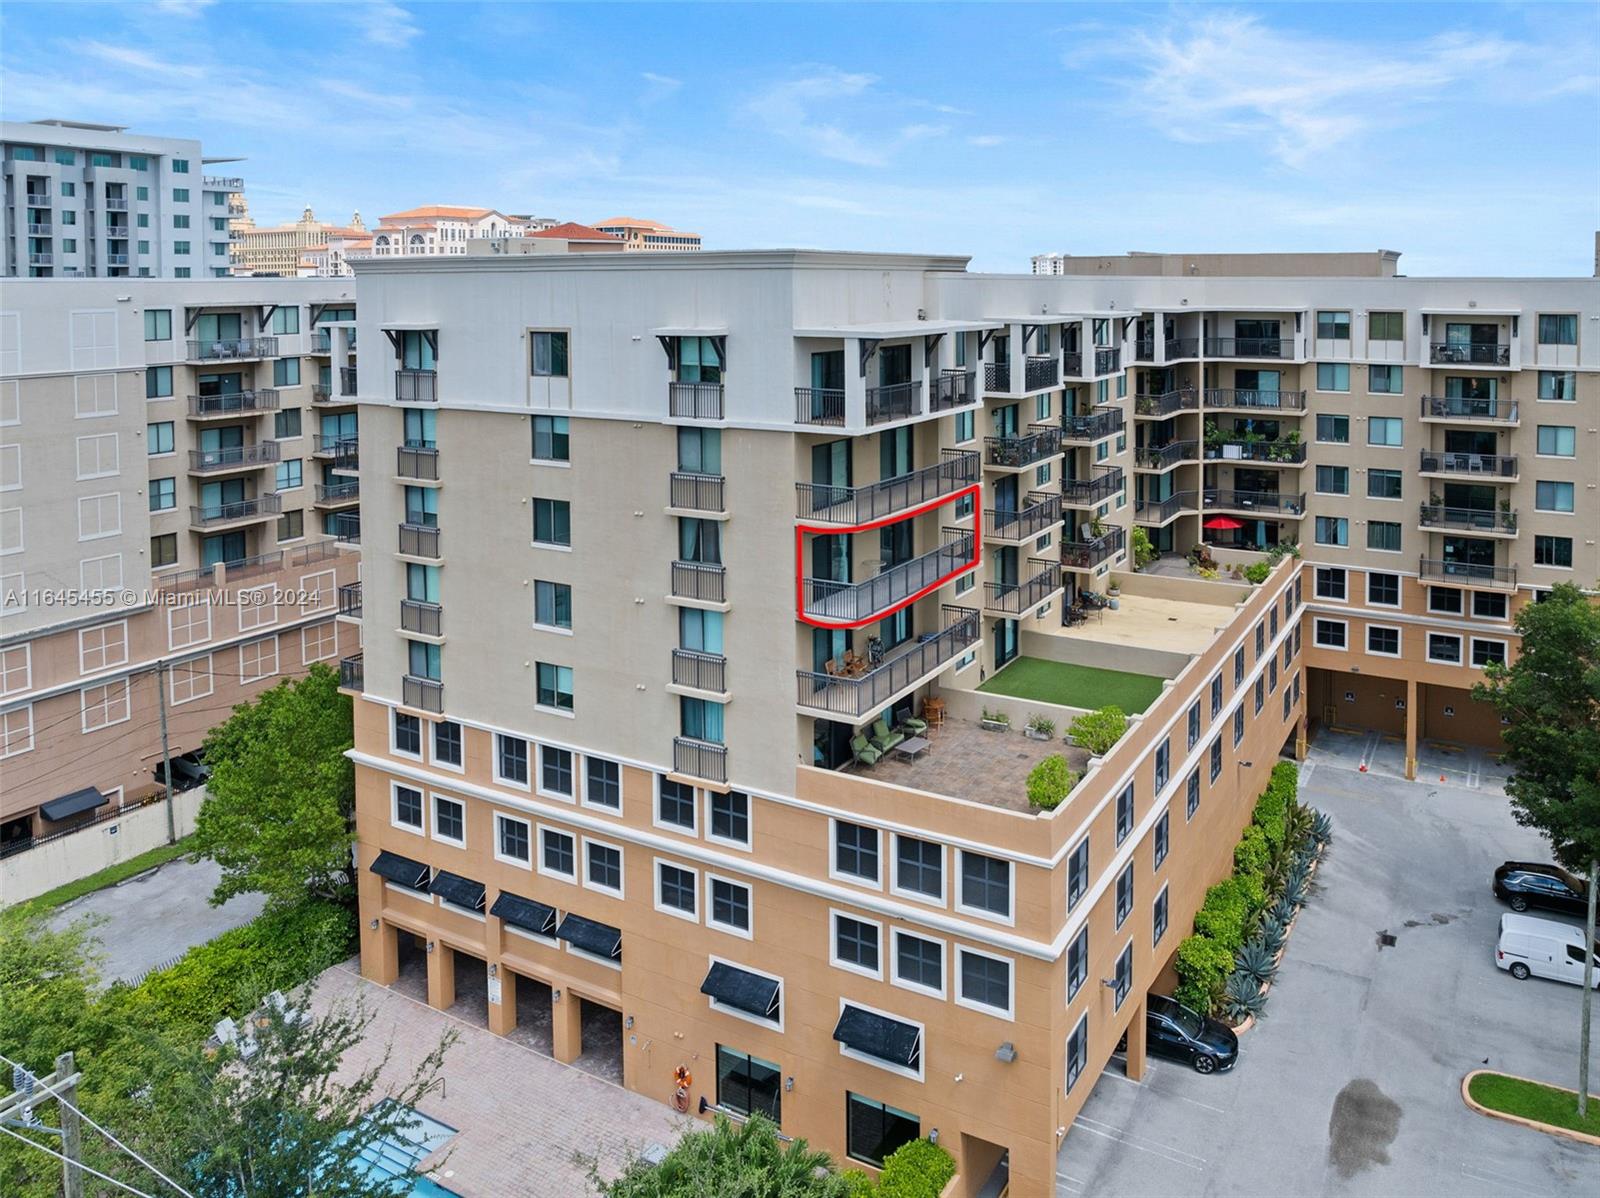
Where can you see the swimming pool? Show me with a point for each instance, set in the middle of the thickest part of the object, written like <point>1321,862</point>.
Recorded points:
<point>396,1155</point>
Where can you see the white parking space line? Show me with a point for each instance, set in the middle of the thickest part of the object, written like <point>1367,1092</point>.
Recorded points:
<point>1166,1152</point>
<point>1065,1181</point>
<point>1519,1185</point>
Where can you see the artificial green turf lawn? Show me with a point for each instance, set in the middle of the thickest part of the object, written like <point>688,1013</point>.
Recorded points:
<point>111,875</point>
<point>1543,1104</point>
<point>1074,686</point>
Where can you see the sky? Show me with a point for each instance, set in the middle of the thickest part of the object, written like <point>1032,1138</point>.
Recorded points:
<point>1466,135</point>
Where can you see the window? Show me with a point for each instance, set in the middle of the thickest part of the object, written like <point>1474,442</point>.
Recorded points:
<point>158,382</point>
<point>1333,326</point>
<point>603,866</point>
<point>1194,724</point>
<point>407,734</point>
<point>1488,605</point>
<point>555,771</point>
<point>747,1085</point>
<point>1386,326</point>
<point>550,442</point>
<point>286,320</point>
<point>180,195</point>
<point>164,550</point>
<point>919,963</point>
<point>1163,766</point>
<point>258,659</point>
<point>555,687</point>
<point>1124,893</point>
<point>1383,535</point>
<point>675,805</point>
<point>985,884</point>
<point>1238,666</point>
<point>286,423</point>
<point>1558,385</point>
<point>1238,725</point>
<point>1385,642</point>
<point>1333,530</point>
<point>1385,380</point>
<point>1077,873</point>
<point>675,889</point>
<point>180,247</point>
<point>855,944</point>
<point>1487,652</point>
<point>552,604</point>
<point>1446,600</point>
<point>99,648</point>
<point>1333,430</point>
<point>1333,480</point>
<point>447,743</point>
<point>286,372</point>
<point>730,817</point>
<point>449,820</point>
<point>552,522</point>
<point>1558,330</point>
<point>1330,634</point>
<point>102,706</point>
<point>157,324</point>
<point>965,426</point>
<point>407,811</point>
<point>163,494</point>
<point>1191,788</point>
<point>1552,496</point>
<point>873,1130</point>
<point>1216,759</point>
<point>513,839</point>
<point>1261,700</point>
<point>1383,589</point>
<point>1077,963</point>
<point>1552,551</point>
<point>1124,813</point>
<point>730,905</point>
<point>855,851</point>
<point>984,981</point>
<point>548,355</point>
<point>1158,917</point>
<point>602,783</point>
<point>1216,696</point>
<point>1385,430</point>
<point>1383,484</point>
<point>1077,1052</point>
<point>1333,376</point>
<point>289,475</point>
<point>1330,583</point>
<point>1444,647</point>
<point>557,853</point>
<point>511,759</point>
<point>1162,841</point>
<point>919,867</point>
<point>1124,977</point>
<point>158,438</point>
<point>1558,440</point>
<point>1261,639</point>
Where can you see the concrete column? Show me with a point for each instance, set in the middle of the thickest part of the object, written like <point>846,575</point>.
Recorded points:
<point>1300,738</point>
<point>1411,728</point>
<point>1136,1044</point>
<point>380,953</point>
<point>503,1014</point>
<point>441,976</point>
<point>566,1026</point>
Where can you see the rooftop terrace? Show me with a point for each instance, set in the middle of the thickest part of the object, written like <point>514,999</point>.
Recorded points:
<point>964,761</point>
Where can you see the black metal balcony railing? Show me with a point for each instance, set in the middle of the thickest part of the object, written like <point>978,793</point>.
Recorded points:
<point>901,669</point>
<point>1096,426</point>
<point>1018,452</point>
<point>205,515</point>
<point>1159,511</point>
<point>418,462</point>
<point>997,376</point>
<point>1285,453</point>
<point>1086,555</point>
<point>425,694</point>
<point>338,492</point>
<point>952,389</point>
<point>1086,492</point>
<point>1144,349</point>
<point>1182,347</point>
<point>819,405</point>
<point>225,348</point>
<point>1014,598</point>
<point>321,394</point>
<point>1256,501</point>
<point>424,619</point>
<point>1072,363</point>
<point>697,492</point>
<point>347,380</point>
<point>705,581</point>
<point>234,457</point>
<point>234,403</point>
<point>1491,466</point>
<point>1465,519</point>
<point>1040,372</point>
<point>859,602</point>
<point>416,386</point>
<point>1471,572</point>
<point>419,540</point>
<point>700,671</point>
<point>1249,347</point>
<point>1041,511</point>
<point>352,673</point>
<point>1460,407</point>
<point>321,342</point>
<point>694,401</point>
<point>702,759</point>
<point>1184,399</point>
<point>1162,457</point>
<point>347,527</point>
<point>894,401</point>
<point>1487,354</point>
<point>350,600</point>
<point>1254,399</point>
<point>1107,361</point>
<point>873,501</point>
<point>347,454</point>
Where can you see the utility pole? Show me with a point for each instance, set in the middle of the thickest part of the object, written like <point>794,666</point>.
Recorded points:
<point>1588,992</point>
<point>16,1109</point>
<point>166,753</point>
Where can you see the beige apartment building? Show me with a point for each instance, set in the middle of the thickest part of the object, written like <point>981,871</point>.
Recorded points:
<point>177,474</point>
<point>640,234</point>
<point>278,249</point>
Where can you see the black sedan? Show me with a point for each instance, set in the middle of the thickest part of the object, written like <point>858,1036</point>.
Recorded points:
<point>1522,885</point>
<point>1173,1030</point>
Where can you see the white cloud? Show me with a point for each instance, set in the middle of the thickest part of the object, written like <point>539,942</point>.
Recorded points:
<point>985,140</point>
<point>787,110</point>
<point>658,87</point>
<point>126,56</point>
<point>386,24</point>
<point>183,8</point>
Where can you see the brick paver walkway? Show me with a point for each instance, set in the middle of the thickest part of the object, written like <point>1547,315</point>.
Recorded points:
<point>522,1116</point>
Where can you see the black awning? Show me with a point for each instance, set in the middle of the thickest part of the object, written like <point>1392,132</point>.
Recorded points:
<point>735,987</point>
<point>402,870</point>
<point>453,888</point>
<point>73,804</point>
<point>879,1036</point>
<point>591,936</point>
<point>525,914</point>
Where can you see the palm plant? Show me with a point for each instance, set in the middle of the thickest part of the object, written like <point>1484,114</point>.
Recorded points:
<point>1272,935</point>
<point>1257,961</point>
<point>1283,911</point>
<point>1242,998</point>
<point>1296,894</point>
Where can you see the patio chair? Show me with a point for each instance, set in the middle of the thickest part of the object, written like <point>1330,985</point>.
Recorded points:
<point>864,753</point>
<point>911,725</point>
<point>884,737</point>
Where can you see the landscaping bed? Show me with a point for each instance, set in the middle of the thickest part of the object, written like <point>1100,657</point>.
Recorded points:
<point>1068,685</point>
<point>1533,1102</point>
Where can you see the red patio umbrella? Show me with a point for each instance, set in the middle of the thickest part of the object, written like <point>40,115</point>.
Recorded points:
<point>1223,522</point>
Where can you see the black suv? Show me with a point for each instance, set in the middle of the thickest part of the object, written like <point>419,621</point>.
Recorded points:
<point>1524,885</point>
<point>1173,1030</point>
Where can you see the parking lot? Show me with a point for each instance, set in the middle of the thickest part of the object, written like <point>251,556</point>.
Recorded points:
<point>1351,1084</point>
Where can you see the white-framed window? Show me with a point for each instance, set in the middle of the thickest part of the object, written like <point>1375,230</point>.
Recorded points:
<point>602,784</point>
<point>855,944</point>
<point>94,395</point>
<point>102,647</point>
<point>602,867</point>
<point>917,869</point>
<point>1330,634</point>
<point>557,776</point>
<point>10,467</point>
<point>1383,640</point>
<point>450,820</point>
<point>258,659</point>
<point>16,669</point>
<point>558,853</point>
<point>730,906</point>
<point>16,731</point>
<point>1077,1052</point>
<point>983,886</point>
<point>760,1020</point>
<point>258,608</point>
<point>191,680</point>
<point>1486,651</point>
<point>99,456</point>
<point>1444,647</point>
<point>102,706</point>
<point>1445,601</point>
<point>319,642</point>
<point>674,806</point>
<point>320,590</point>
<point>513,840</point>
<point>912,1071</point>
<point>99,516</point>
<point>405,734</point>
<point>984,982</point>
<point>12,539</point>
<point>405,808</point>
<point>188,624</point>
<point>511,761</point>
<point>855,853</point>
<point>728,818</point>
<point>1331,583</point>
<point>677,890</point>
<point>99,574</point>
<point>917,962</point>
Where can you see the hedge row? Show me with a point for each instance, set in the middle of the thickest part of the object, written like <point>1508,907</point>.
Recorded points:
<point>916,1169</point>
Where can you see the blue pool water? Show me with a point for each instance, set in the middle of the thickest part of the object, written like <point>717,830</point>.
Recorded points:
<point>399,1153</point>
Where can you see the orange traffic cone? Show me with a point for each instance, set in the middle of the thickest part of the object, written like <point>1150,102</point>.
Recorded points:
<point>1363,767</point>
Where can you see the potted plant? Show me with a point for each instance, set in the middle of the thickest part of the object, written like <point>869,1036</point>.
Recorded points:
<point>1507,516</point>
<point>994,721</point>
<point>1039,727</point>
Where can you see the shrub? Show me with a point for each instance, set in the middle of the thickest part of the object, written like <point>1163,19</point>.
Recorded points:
<point>1050,781</point>
<point>1256,960</point>
<point>1257,572</point>
<point>1143,551</point>
<point>1042,724</point>
<point>1228,910</point>
<point>1203,966</point>
<point>1242,997</point>
<point>916,1169</point>
<point>1099,730</point>
<point>1252,854</point>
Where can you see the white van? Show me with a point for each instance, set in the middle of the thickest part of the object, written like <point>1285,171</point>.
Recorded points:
<point>1542,948</point>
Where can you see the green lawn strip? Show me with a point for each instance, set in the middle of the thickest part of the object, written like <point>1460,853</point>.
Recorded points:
<point>110,875</point>
<point>1074,685</point>
<point>1531,1100</point>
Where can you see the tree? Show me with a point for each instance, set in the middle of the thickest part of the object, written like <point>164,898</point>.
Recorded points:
<point>1550,697</point>
<point>730,1161</point>
<point>280,816</point>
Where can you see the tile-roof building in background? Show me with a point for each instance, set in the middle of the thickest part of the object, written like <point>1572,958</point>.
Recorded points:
<point>445,229</point>
<point>276,249</point>
<point>648,234</point>
<point>584,237</point>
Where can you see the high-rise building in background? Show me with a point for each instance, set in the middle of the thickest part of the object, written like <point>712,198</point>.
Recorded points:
<point>277,249</point>
<point>648,234</point>
<point>85,200</point>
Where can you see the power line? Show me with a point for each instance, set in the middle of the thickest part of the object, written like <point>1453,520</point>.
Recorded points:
<point>75,1164</point>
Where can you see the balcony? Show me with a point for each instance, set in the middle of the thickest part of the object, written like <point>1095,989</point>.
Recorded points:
<point>346,453</point>
<point>1255,502</point>
<point>238,512</point>
<point>38,199</point>
<point>40,230</point>
<point>1040,372</point>
<point>1486,354</point>
<point>352,673</point>
<point>699,671</point>
<point>233,349</point>
<point>997,377</point>
<point>420,463</point>
<point>952,389</point>
<point>704,582</point>
<point>847,604</point>
<point>699,759</point>
<point>876,501</point>
<point>419,540</point>
<point>896,401</point>
<point>1144,349</point>
<point>116,259</point>
<point>1453,409</point>
<point>1435,517</point>
<point>424,619</point>
<point>1490,467</point>
<point>233,403</point>
<point>1042,512</point>
<point>336,494</point>
<point>695,401</point>
<point>819,405</point>
<point>347,527</point>
<point>321,342</point>
<point>1249,347</point>
<point>350,601</point>
<point>1018,598</point>
<point>902,669</point>
<point>1086,492</point>
<point>1252,400</point>
<point>112,203</point>
<point>1159,407</point>
<point>1468,573</point>
<point>40,259</point>
<point>416,386</point>
<point>1096,426</point>
<point>1086,555</point>
<point>347,380</point>
<point>233,457</point>
<point>1276,453</point>
<point>1182,347</point>
<point>222,182</point>
<point>697,492</point>
<point>1164,457</point>
<point>1107,361</point>
<point>1018,453</point>
<point>424,694</point>
<point>321,394</point>
<point>1159,511</point>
